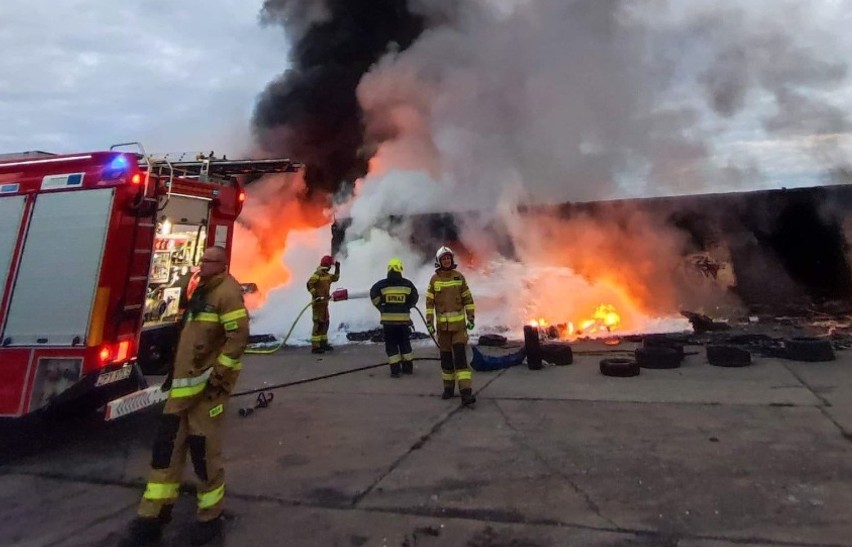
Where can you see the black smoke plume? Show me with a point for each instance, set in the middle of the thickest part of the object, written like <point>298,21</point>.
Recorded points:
<point>311,112</point>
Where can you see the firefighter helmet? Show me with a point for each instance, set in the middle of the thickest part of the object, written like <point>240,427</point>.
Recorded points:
<point>326,261</point>
<point>395,265</point>
<point>444,251</point>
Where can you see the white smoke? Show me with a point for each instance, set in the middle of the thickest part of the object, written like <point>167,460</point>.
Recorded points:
<point>500,104</point>
<point>580,100</point>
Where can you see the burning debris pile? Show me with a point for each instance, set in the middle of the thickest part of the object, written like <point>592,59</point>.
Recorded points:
<point>604,321</point>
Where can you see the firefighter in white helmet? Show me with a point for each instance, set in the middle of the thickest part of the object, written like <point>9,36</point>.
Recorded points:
<point>450,312</point>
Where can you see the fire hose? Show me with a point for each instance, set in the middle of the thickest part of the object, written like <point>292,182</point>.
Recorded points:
<point>337,296</point>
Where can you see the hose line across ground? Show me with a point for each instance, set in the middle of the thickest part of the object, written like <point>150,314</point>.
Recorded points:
<point>274,349</point>
<point>270,351</point>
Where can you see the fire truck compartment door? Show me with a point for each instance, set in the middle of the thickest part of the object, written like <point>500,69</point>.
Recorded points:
<point>54,291</point>
<point>11,210</point>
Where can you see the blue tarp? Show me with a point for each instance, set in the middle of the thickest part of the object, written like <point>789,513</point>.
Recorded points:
<point>485,363</point>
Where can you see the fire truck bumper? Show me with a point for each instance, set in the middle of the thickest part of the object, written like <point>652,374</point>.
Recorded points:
<point>135,402</point>
<point>96,389</point>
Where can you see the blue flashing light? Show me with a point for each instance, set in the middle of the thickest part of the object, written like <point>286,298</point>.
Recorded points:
<point>116,168</point>
<point>118,164</point>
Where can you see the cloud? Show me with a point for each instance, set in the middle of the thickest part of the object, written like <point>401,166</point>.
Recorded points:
<point>81,74</point>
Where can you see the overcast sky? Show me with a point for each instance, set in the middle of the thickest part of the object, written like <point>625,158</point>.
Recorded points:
<point>184,76</point>
<point>177,75</point>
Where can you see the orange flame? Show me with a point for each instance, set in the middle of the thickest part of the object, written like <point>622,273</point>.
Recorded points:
<point>275,206</point>
<point>604,321</point>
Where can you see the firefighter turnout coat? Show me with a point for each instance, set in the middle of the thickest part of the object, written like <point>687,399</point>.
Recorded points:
<point>214,337</point>
<point>319,284</point>
<point>449,301</point>
<point>394,296</point>
<point>206,368</point>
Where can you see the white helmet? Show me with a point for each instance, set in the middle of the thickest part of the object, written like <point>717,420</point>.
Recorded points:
<point>444,251</point>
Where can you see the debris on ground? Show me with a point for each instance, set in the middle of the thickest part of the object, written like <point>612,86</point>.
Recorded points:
<point>492,340</point>
<point>702,323</point>
<point>377,335</point>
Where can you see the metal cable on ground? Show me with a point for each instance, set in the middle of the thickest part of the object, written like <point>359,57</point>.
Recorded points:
<point>323,377</point>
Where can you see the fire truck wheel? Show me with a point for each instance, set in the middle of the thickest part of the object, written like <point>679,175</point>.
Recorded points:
<point>619,368</point>
<point>728,356</point>
<point>658,358</point>
<point>812,350</point>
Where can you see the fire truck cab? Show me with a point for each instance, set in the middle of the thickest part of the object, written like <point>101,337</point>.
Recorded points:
<point>96,251</point>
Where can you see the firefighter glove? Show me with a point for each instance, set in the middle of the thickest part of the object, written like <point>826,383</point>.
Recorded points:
<point>470,325</point>
<point>431,328</point>
<point>167,383</point>
<point>216,386</point>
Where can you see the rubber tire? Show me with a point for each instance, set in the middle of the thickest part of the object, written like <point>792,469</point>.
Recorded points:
<point>492,340</point>
<point>558,353</point>
<point>811,350</point>
<point>533,346</point>
<point>658,358</point>
<point>619,368</point>
<point>663,342</point>
<point>728,356</point>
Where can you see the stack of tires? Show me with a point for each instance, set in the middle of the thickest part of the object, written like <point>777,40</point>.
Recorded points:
<point>657,352</point>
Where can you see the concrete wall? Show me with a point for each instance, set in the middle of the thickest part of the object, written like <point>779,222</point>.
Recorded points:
<point>777,250</point>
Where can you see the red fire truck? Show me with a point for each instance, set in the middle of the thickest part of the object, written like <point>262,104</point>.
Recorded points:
<point>95,253</point>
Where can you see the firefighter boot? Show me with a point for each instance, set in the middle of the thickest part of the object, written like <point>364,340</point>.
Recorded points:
<point>317,349</point>
<point>326,347</point>
<point>394,370</point>
<point>447,374</point>
<point>143,531</point>
<point>467,398</point>
<point>203,532</point>
<point>407,367</point>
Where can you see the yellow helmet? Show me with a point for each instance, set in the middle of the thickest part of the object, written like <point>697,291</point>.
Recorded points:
<point>395,265</point>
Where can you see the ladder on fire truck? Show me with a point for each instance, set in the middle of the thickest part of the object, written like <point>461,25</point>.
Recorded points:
<point>201,168</point>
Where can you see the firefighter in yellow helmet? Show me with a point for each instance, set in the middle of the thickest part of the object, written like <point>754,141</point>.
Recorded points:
<point>206,368</point>
<point>319,285</point>
<point>394,296</point>
<point>449,311</point>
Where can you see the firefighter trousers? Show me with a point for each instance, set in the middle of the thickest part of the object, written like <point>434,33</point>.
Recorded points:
<point>398,348</point>
<point>319,334</point>
<point>454,367</point>
<point>195,429</point>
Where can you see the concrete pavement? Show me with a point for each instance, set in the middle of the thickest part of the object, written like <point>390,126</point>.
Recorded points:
<point>563,456</point>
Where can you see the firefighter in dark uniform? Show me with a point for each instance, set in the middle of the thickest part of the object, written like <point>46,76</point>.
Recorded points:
<point>206,368</point>
<point>449,303</point>
<point>394,297</point>
<point>319,285</point>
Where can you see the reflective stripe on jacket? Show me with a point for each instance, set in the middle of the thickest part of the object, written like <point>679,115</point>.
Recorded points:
<point>394,296</point>
<point>449,300</point>
<point>214,337</point>
<point>319,284</point>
